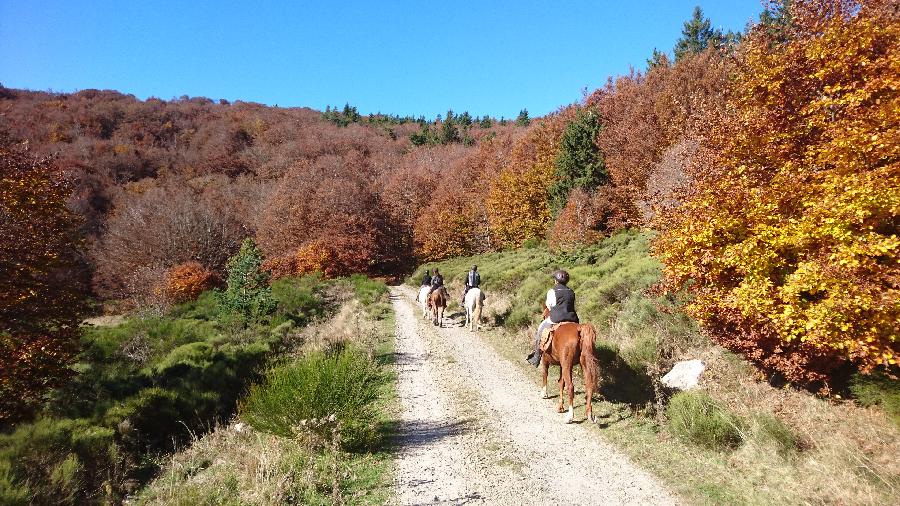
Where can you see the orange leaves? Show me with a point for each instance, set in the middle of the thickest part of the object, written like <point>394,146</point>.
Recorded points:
<point>790,232</point>
<point>185,282</point>
<point>337,256</point>
<point>518,206</point>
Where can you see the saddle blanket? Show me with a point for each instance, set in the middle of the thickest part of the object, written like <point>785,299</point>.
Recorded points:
<point>547,335</point>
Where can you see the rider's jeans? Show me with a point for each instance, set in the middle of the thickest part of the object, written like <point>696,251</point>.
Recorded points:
<point>537,338</point>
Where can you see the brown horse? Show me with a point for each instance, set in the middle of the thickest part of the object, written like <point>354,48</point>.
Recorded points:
<point>437,301</point>
<point>572,343</point>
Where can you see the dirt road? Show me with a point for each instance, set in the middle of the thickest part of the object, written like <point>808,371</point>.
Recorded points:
<point>474,430</point>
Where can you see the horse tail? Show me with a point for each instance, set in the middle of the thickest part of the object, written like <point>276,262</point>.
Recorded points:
<point>588,337</point>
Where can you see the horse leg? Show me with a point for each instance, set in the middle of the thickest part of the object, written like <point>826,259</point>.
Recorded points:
<point>545,368</point>
<point>589,381</point>
<point>559,405</point>
<point>570,387</point>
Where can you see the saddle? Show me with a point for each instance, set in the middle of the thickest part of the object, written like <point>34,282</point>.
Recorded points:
<point>547,335</point>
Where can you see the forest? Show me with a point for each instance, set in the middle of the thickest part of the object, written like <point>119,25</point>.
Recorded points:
<point>766,163</point>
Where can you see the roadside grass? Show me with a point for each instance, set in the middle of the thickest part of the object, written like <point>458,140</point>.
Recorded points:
<point>284,448</point>
<point>784,446</point>
<point>150,384</point>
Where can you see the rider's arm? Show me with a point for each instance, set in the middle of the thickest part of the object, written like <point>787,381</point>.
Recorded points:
<point>551,298</point>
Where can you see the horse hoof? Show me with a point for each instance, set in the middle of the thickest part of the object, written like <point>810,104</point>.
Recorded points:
<point>569,419</point>
<point>560,410</point>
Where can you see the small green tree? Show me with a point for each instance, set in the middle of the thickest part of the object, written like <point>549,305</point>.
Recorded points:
<point>658,59</point>
<point>580,162</point>
<point>697,35</point>
<point>522,119</point>
<point>247,292</point>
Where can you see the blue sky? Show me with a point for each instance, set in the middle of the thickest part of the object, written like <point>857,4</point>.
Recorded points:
<point>416,58</point>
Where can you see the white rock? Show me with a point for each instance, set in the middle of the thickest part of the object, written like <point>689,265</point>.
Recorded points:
<point>684,375</point>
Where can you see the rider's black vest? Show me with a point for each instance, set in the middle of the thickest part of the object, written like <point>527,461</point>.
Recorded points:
<point>564,310</point>
<point>474,279</point>
<point>426,280</point>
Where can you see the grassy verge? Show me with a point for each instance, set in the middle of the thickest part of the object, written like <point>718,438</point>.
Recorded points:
<point>736,440</point>
<point>314,429</point>
<point>143,388</point>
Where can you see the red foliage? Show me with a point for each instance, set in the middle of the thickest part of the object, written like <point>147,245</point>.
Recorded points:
<point>41,291</point>
<point>326,214</point>
<point>644,114</point>
<point>589,217</point>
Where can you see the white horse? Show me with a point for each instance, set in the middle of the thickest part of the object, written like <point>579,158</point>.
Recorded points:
<point>423,298</point>
<point>474,302</point>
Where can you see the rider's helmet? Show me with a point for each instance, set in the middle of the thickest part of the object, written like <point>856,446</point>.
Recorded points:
<point>561,276</point>
<point>474,267</point>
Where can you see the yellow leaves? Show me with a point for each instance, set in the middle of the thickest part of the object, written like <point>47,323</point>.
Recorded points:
<point>794,231</point>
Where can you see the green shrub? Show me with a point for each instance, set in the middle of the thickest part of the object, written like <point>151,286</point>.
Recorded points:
<point>695,417</point>
<point>247,291</point>
<point>12,492</point>
<point>298,299</point>
<point>368,291</point>
<point>316,386</point>
<point>56,462</point>
<point>877,389</point>
<point>769,429</point>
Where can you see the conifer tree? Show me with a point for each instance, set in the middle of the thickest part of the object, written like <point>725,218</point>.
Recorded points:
<point>579,163</point>
<point>658,59</point>
<point>697,35</point>
<point>247,291</point>
<point>522,119</point>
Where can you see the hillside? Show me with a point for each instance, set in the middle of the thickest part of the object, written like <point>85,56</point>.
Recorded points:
<point>186,278</point>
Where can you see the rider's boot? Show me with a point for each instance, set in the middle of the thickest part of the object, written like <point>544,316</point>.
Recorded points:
<point>534,358</point>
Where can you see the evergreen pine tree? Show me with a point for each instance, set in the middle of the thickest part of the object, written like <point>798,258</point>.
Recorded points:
<point>449,130</point>
<point>580,162</point>
<point>247,292</point>
<point>776,18</point>
<point>522,119</point>
<point>697,35</point>
<point>658,59</point>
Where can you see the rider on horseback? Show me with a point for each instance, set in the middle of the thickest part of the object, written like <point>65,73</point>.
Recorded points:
<point>437,281</point>
<point>561,303</point>
<point>473,279</point>
<point>426,278</point>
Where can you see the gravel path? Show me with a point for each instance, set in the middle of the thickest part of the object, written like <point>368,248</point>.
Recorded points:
<point>474,430</point>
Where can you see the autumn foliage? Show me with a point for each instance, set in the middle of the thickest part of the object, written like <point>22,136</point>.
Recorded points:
<point>185,282</point>
<point>790,230</point>
<point>41,288</point>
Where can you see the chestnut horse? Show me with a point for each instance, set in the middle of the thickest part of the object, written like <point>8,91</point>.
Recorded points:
<point>437,301</point>
<point>572,343</point>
